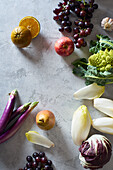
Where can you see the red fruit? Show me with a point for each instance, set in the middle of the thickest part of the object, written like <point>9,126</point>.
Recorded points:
<point>64,46</point>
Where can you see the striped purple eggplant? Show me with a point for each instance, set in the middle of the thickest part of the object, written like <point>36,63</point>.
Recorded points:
<point>18,123</point>
<point>8,110</point>
<point>15,115</point>
<point>18,111</point>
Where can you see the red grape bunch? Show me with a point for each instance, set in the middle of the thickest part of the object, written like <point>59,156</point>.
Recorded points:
<point>38,161</point>
<point>83,26</point>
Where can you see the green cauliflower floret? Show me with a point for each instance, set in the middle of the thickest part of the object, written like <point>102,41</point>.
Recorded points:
<point>103,60</point>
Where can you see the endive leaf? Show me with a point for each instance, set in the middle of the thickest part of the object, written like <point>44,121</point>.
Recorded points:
<point>81,124</point>
<point>89,92</point>
<point>104,124</point>
<point>104,105</point>
<point>36,138</point>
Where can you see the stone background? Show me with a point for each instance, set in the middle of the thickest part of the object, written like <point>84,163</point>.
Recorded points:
<point>38,73</point>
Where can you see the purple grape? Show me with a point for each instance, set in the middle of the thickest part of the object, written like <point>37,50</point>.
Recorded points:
<point>91,26</point>
<point>90,9</point>
<point>80,41</point>
<point>76,30</point>
<point>82,5</point>
<point>60,4</point>
<point>38,159</point>
<point>76,36</point>
<point>34,164</point>
<point>68,29</point>
<point>25,168</point>
<point>77,11</point>
<point>69,23</point>
<point>29,165</point>
<point>49,162</point>
<point>82,33</point>
<point>84,44</point>
<point>75,41</point>
<point>78,45</point>
<point>66,18</point>
<point>95,6</point>
<point>56,18</point>
<point>64,23</point>
<point>82,13</point>
<point>72,6</point>
<point>41,154</point>
<point>67,12</point>
<point>87,24</point>
<point>43,159</point>
<point>35,154</point>
<point>61,29</point>
<point>81,24</point>
<point>47,167</point>
<point>29,158</point>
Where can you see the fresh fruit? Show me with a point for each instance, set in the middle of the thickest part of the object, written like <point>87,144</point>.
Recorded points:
<point>45,120</point>
<point>83,10</point>
<point>38,139</point>
<point>21,36</point>
<point>40,162</point>
<point>32,24</point>
<point>64,46</point>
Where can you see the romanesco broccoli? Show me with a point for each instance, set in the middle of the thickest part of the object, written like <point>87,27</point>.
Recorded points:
<point>103,60</point>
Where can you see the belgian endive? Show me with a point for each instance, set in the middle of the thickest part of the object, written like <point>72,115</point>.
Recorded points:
<point>89,92</point>
<point>104,124</point>
<point>104,105</point>
<point>81,123</point>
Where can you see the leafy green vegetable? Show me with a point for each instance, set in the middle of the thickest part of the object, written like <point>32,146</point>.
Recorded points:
<point>91,74</point>
<point>102,43</point>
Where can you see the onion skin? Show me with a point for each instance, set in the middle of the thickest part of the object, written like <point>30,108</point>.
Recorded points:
<point>18,124</point>
<point>45,120</point>
<point>8,110</point>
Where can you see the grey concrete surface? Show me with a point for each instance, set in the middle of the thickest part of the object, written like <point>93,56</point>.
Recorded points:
<point>38,73</point>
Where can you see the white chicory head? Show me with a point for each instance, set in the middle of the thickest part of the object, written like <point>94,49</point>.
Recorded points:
<point>36,138</point>
<point>104,124</point>
<point>89,92</point>
<point>104,105</point>
<point>81,124</point>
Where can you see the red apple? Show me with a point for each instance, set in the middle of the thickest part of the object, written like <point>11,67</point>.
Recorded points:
<point>64,46</point>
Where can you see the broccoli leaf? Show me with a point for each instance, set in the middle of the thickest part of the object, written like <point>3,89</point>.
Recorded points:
<point>102,43</point>
<point>91,74</point>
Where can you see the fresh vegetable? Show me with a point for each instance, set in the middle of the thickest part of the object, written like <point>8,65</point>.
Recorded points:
<point>107,23</point>
<point>5,136</point>
<point>45,120</point>
<point>95,152</point>
<point>103,124</point>
<point>102,43</point>
<point>81,124</point>
<point>8,110</point>
<point>15,115</point>
<point>36,138</point>
<point>104,105</point>
<point>38,161</point>
<point>91,74</point>
<point>19,110</point>
<point>103,60</point>
<point>89,92</point>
